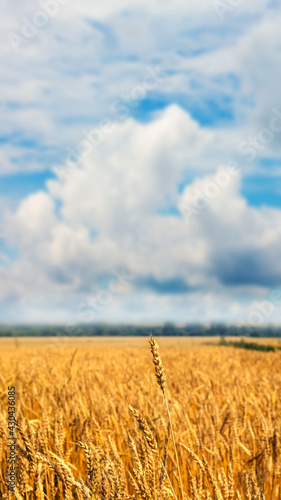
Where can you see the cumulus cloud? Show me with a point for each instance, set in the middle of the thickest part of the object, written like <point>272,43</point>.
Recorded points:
<point>120,208</point>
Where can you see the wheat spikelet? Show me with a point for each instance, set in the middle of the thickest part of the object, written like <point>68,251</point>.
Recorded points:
<point>43,441</point>
<point>120,468</point>
<point>193,487</point>
<point>159,369</point>
<point>104,486</point>
<point>64,472</point>
<point>140,485</point>
<point>150,472</point>
<point>38,492</point>
<point>60,434</point>
<point>223,484</point>
<point>113,479</point>
<point>46,425</point>
<point>30,454</point>
<point>138,464</point>
<point>231,492</point>
<point>89,459</point>
<point>97,431</point>
<point>199,485</point>
<point>144,427</point>
<point>134,483</point>
<point>22,475</point>
<point>83,491</point>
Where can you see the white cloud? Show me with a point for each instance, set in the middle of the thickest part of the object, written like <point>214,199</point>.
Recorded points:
<point>109,216</point>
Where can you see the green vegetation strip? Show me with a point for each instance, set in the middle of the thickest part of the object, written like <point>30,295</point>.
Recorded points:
<point>253,346</point>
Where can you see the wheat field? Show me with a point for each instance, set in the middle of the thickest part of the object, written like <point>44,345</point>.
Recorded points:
<point>93,420</point>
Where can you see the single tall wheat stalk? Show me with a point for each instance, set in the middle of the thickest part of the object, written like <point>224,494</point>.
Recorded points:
<point>161,380</point>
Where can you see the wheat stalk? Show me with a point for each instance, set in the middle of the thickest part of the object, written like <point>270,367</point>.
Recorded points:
<point>161,380</point>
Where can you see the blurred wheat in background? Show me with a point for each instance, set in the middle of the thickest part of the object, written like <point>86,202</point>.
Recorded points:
<point>93,424</point>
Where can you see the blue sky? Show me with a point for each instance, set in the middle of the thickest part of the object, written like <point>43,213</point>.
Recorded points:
<point>119,123</point>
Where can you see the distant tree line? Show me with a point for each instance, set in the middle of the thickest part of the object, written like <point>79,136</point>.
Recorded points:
<point>168,329</point>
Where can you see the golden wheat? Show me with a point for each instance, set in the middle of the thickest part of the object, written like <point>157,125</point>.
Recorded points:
<point>80,436</point>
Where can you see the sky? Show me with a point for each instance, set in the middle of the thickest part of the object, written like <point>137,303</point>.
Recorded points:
<point>140,161</point>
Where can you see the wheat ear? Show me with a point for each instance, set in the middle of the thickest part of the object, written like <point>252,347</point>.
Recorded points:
<point>144,427</point>
<point>161,380</point>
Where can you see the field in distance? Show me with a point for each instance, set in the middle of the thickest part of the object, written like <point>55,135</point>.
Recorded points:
<point>77,438</point>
